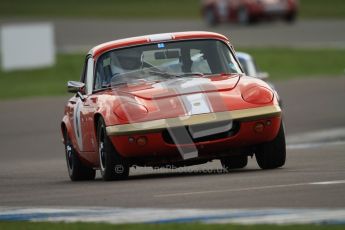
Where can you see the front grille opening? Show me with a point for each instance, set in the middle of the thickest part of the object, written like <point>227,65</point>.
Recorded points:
<point>204,132</point>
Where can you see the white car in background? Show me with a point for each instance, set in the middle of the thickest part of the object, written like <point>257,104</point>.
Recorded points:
<point>250,68</point>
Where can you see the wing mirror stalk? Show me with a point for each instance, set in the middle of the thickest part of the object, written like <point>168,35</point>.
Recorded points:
<point>81,96</point>
<point>76,87</point>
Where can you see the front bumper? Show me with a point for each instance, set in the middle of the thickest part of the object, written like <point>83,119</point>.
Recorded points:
<point>161,124</point>
<point>157,144</point>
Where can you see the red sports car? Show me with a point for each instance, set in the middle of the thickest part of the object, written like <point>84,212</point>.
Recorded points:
<point>248,11</point>
<point>173,99</point>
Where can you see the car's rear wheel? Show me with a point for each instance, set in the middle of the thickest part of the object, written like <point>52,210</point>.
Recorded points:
<point>76,170</point>
<point>112,165</point>
<point>235,162</point>
<point>272,154</point>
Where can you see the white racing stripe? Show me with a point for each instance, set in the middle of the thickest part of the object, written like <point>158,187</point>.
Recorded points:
<point>160,37</point>
<point>151,215</point>
<point>196,104</point>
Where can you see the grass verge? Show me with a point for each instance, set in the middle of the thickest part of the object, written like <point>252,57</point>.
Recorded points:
<point>321,9</point>
<point>196,226</point>
<point>104,9</point>
<point>281,63</point>
<point>142,9</point>
<point>287,63</point>
<point>42,82</point>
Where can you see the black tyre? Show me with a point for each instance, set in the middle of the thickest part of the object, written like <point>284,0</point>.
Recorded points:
<point>76,170</point>
<point>236,162</point>
<point>272,154</point>
<point>112,165</point>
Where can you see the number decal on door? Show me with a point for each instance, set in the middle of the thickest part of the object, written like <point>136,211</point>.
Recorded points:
<point>77,125</point>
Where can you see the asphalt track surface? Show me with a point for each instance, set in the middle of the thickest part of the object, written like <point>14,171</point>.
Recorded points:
<point>75,35</point>
<point>83,34</point>
<point>33,170</point>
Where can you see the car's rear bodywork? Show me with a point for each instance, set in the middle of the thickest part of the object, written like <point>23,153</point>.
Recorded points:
<point>248,11</point>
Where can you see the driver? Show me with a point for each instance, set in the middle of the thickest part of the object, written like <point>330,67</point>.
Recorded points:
<point>126,60</point>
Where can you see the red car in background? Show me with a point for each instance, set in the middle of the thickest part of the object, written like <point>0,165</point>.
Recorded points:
<point>173,99</point>
<point>248,11</point>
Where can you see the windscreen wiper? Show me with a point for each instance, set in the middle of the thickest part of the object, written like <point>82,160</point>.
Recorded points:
<point>163,74</point>
<point>191,74</point>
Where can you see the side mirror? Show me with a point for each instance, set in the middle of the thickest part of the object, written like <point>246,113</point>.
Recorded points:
<point>262,75</point>
<point>75,87</point>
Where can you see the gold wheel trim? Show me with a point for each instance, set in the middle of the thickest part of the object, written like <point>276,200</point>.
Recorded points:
<point>158,125</point>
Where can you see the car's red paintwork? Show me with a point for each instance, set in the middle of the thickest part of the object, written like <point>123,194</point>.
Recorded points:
<point>103,103</point>
<point>230,10</point>
<point>98,50</point>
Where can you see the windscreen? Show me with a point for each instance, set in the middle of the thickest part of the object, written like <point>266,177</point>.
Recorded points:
<point>160,61</point>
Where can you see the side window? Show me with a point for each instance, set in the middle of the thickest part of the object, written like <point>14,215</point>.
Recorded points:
<point>103,72</point>
<point>230,62</point>
<point>87,75</point>
<point>244,65</point>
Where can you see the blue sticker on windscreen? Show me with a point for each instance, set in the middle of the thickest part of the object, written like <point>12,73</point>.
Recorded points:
<point>161,45</point>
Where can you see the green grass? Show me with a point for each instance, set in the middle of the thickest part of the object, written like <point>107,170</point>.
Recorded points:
<point>195,226</point>
<point>102,9</point>
<point>280,63</point>
<point>142,8</point>
<point>286,63</point>
<point>42,82</point>
<point>322,8</point>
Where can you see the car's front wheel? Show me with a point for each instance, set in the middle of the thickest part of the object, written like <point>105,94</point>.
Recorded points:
<point>235,162</point>
<point>272,154</point>
<point>76,170</point>
<point>112,165</point>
